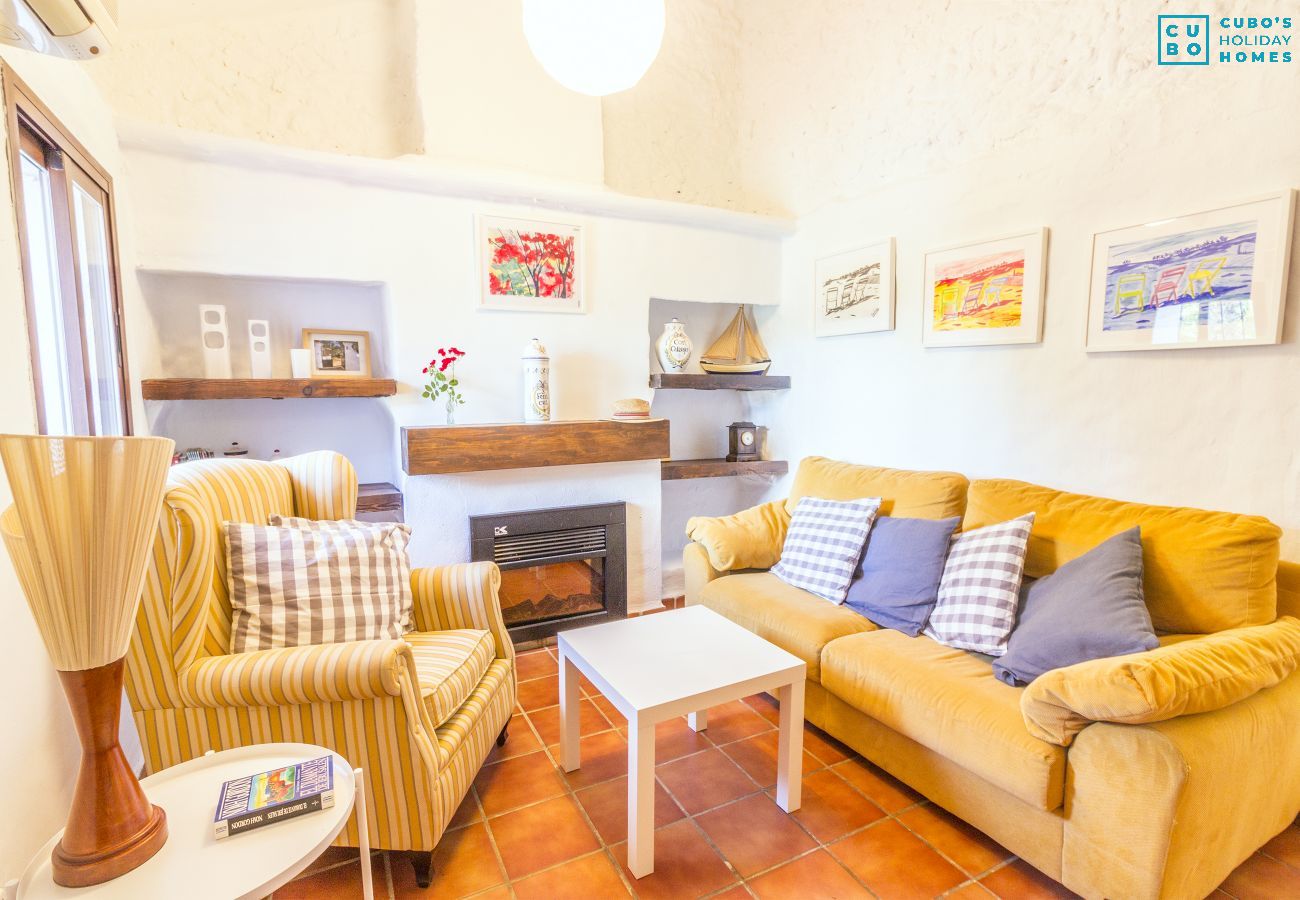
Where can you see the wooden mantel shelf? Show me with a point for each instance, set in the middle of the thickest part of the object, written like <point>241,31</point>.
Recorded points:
<point>679,469</point>
<point>718,382</point>
<point>264,388</point>
<point>443,450</point>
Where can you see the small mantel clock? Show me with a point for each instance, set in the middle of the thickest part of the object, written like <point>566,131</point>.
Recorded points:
<point>742,442</point>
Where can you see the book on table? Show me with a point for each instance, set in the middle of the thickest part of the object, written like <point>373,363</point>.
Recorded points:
<point>273,796</point>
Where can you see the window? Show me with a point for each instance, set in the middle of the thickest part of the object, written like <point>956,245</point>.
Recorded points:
<point>64,205</point>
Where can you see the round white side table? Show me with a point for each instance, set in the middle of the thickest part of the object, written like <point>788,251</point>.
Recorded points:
<point>193,863</point>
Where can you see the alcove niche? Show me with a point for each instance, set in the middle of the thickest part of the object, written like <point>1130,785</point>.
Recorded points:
<point>362,429</point>
<point>699,420</point>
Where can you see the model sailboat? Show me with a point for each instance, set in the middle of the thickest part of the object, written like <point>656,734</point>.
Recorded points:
<point>738,351</point>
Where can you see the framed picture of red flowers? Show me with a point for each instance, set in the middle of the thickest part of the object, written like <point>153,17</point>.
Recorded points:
<point>530,266</point>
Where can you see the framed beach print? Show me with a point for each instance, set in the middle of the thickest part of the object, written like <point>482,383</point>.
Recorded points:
<point>1211,279</point>
<point>853,292</point>
<point>530,266</point>
<point>338,354</point>
<point>988,292</point>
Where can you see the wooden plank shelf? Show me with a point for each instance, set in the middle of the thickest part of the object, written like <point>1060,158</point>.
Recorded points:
<point>442,450</point>
<point>680,469</point>
<point>697,382</point>
<point>379,497</point>
<point>265,388</point>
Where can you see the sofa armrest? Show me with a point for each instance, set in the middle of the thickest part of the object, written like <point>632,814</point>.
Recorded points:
<point>1192,675</point>
<point>287,676</point>
<point>749,539</point>
<point>464,595</point>
<point>698,571</point>
<point>1169,809</point>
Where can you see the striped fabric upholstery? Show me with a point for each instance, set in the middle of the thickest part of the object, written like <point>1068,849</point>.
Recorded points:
<point>365,700</point>
<point>298,582</point>
<point>448,666</point>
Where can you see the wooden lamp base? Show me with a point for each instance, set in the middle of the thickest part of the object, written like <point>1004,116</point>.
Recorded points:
<point>112,827</point>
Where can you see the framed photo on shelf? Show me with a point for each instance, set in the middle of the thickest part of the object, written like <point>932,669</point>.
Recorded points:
<point>1210,279</point>
<point>338,354</point>
<point>527,265</point>
<point>853,291</point>
<point>986,292</point>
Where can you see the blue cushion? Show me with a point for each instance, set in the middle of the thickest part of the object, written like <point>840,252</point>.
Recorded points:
<point>900,572</point>
<point>1089,608</point>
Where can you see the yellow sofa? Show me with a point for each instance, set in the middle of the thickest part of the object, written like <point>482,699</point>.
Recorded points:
<point>1145,776</point>
<point>418,714</point>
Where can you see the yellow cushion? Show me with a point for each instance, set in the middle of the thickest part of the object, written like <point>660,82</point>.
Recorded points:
<point>1185,675</point>
<point>794,620</point>
<point>750,539</point>
<point>919,495</point>
<point>949,701</point>
<point>1204,571</point>
<point>449,665</point>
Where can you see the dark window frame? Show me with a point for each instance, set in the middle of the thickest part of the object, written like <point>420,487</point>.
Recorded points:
<point>31,126</point>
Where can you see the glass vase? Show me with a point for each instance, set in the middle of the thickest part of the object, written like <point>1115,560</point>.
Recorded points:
<point>451,410</point>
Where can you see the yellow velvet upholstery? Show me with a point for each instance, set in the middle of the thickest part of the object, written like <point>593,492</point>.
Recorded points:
<point>793,619</point>
<point>1203,571</point>
<point>1288,588</point>
<point>1194,675</point>
<point>949,701</point>
<point>903,492</point>
<point>418,714</point>
<point>750,539</point>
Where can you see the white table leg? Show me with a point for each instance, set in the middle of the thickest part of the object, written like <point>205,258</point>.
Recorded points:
<point>640,797</point>
<point>789,753</point>
<point>363,831</point>
<point>570,749</point>
<point>698,720</point>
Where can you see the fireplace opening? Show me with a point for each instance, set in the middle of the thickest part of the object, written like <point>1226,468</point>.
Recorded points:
<point>560,568</point>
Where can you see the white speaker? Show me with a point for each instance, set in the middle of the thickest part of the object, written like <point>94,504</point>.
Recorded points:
<point>259,347</point>
<point>216,340</point>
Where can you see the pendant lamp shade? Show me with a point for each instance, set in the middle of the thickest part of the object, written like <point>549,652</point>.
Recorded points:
<point>80,530</point>
<point>595,47</point>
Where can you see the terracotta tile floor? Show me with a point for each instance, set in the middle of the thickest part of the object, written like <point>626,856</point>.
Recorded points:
<point>527,830</point>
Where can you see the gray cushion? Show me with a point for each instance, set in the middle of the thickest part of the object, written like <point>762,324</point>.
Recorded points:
<point>1090,608</point>
<point>898,580</point>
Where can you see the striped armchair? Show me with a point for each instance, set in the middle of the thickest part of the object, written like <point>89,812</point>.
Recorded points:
<point>418,714</point>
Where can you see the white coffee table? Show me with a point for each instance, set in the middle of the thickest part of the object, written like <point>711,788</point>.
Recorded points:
<point>195,865</point>
<point>657,667</point>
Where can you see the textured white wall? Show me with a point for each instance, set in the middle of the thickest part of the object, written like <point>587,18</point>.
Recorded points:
<point>998,117</point>
<point>256,221</point>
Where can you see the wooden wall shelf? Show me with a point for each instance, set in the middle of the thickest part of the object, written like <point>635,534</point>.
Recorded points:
<point>441,450</point>
<point>265,388</point>
<point>695,382</point>
<point>680,469</point>
<point>379,497</point>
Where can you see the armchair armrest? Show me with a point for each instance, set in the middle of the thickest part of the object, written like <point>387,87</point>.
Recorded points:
<point>1192,675</point>
<point>749,539</point>
<point>324,485</point>
<point>320,673</point>
<point>464,595</point>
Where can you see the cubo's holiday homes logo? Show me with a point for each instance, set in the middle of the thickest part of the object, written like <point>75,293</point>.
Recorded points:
<point>1186,40</point>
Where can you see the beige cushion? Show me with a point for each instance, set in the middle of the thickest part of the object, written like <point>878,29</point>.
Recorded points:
<point>794,620</point>
<point>949,701</point>
<point>449,665</point>
<point>1184,676</point>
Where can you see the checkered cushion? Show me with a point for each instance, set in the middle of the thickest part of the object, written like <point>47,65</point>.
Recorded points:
<point>980,590</point>
<point>824,543</point>
<point>299,581</point>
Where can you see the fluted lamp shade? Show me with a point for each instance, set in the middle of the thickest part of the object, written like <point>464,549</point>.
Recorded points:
<point>80,531</point>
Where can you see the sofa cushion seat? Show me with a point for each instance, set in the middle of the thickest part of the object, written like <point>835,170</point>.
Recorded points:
<point>449,665</point>
<point>949,701</point>
<point>795,620</point>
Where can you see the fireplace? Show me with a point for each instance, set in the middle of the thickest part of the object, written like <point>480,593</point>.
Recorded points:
<point>560,568</point>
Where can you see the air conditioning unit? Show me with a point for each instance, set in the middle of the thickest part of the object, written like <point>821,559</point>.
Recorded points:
<point>73,29</point>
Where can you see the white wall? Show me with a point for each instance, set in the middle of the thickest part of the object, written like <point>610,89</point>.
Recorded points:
<point>39,748</point>
<point>250,217</point>
<point>1060,121</point>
